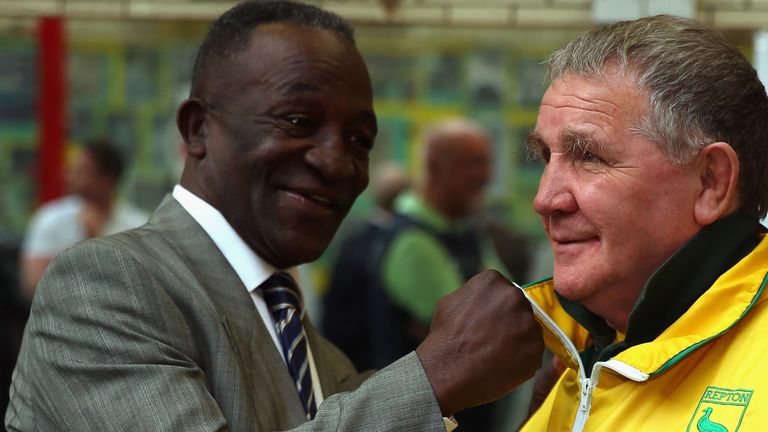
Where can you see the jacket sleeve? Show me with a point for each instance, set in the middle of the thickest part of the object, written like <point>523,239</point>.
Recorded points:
<point>107,348</point>
<point>397,398</point>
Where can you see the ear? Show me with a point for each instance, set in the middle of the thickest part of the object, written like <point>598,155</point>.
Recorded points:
<point>719,183</point>
<point>190,120</point>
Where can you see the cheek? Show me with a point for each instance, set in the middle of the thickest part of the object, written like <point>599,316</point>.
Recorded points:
<point>624,200</point>
<point>647,222</point>
<point>666,199</point>
<point>361,176</point>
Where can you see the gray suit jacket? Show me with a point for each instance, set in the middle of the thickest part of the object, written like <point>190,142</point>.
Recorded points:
<point>152,330</point>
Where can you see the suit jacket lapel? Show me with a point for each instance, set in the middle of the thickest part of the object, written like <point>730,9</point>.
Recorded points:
<point>270,382</point>
<point>335,371</point>
<point>326,374</point>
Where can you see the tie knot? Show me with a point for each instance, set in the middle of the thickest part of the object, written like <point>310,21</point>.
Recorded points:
<point>282,294</point>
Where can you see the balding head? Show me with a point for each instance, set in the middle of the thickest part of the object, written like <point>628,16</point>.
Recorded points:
<point>457,167</point>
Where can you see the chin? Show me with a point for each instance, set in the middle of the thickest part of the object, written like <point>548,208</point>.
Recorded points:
<point>289,250</point>
<point>307,250</point>
<point>568,293</point>
<point>570,289</point>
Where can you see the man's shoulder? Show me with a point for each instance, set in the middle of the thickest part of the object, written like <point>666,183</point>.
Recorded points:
<point>141,242</point>
<point>125,243</point>
<point>142,259</point>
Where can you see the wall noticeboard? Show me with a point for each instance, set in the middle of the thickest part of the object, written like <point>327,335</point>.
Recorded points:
<point>18,82</point>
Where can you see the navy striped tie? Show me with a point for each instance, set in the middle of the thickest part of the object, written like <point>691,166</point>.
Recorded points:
<point>282,296</point>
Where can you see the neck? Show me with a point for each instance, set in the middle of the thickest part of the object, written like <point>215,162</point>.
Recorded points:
<point>102,203</point>
<point>439,202</point>
<point>616,318</point>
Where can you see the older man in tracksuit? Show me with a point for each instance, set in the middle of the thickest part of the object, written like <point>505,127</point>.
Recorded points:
<point>654,136</point>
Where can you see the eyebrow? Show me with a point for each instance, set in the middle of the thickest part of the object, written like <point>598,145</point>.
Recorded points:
<point>577,143</point>
<point>574,143</point>
<point>294,90</point>
<point>300,89</point>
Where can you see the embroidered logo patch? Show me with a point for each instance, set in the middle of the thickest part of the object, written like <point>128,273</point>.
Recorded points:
<point>720,410</point>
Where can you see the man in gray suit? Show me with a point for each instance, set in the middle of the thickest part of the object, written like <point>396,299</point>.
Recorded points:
<point>166,327</point>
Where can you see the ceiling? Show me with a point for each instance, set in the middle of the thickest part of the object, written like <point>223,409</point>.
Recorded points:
<point>724,14</point>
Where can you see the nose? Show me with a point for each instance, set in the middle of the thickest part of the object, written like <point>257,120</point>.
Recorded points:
<point>555,192</point>
<point>332,158</point>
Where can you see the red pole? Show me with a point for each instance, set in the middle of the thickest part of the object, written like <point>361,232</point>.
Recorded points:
<point>52,108</point>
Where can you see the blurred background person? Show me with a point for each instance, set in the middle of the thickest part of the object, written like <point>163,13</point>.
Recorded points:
<point>346,303</point>
<point>90,209</point>
<point>433,245</point>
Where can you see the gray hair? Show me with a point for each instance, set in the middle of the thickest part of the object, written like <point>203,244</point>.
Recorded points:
<point>700,89</point>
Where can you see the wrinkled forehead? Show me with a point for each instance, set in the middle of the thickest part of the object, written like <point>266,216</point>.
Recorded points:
<point>613,95</point>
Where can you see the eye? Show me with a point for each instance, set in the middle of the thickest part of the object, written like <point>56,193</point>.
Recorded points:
<point>587,156</point>
<point>541,153</point>
<point>299,125</point>
<point>299,121</point>
<point>363,140</point>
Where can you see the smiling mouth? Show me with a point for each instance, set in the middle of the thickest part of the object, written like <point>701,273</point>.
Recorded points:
<point>313,199</point>
<point>569,242</point>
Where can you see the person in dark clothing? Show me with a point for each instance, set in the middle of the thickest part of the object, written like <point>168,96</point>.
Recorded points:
<point>13,312</point>
<point>433,246</point>
<point>347,301</point>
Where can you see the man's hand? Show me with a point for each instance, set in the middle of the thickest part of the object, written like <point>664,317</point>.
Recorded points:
<point>483,342</point>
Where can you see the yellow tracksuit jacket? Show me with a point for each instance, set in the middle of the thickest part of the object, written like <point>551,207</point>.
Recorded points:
<point>706,372</point>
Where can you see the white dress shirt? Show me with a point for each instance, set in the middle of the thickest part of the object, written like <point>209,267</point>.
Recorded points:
<point>250,268</point>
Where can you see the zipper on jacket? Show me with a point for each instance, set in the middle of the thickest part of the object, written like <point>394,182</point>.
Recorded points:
<point>585,392</point>
<point>584,405</point>
<point>585,384</point>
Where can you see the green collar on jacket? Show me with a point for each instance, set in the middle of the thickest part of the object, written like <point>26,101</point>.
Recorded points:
<point>673,288</point>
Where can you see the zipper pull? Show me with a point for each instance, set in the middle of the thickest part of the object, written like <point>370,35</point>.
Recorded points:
<point>586,393</point>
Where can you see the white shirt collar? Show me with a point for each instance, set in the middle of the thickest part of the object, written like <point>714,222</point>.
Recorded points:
<point>250,268</point>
